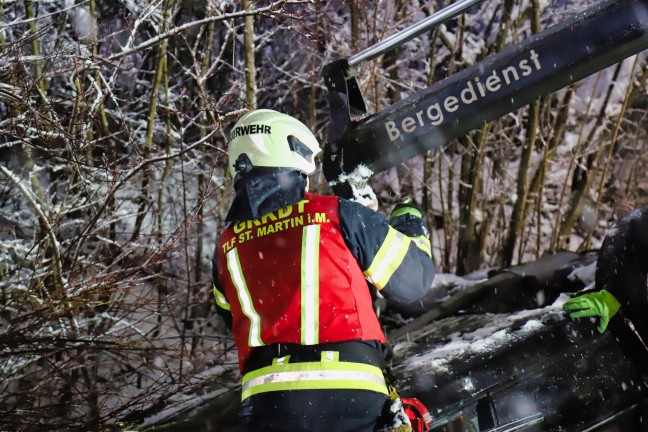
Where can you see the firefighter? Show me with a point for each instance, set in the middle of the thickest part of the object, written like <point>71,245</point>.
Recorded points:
<point>290,279</point>
<point>620,298</point>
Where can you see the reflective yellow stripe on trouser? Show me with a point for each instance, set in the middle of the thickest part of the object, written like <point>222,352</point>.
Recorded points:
<point>314,376</point>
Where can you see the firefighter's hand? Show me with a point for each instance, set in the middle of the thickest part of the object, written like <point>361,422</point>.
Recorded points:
<point>409,218</point>
<point>601,304</point>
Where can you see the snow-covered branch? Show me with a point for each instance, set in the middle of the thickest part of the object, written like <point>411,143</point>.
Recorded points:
<point>36,206</point>
<point>197,23</point>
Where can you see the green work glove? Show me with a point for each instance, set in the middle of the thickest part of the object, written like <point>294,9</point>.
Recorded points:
<point>600,304</point>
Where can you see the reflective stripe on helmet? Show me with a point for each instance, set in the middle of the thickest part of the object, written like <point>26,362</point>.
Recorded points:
<point>388,259</point>
<point>314,376</point>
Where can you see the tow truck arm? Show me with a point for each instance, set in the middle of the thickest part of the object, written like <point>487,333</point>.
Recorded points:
<point>592,40</point>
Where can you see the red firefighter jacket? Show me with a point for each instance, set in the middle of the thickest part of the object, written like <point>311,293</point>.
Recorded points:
<point>299,274</point>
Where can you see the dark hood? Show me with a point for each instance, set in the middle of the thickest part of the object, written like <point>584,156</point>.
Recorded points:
<point>264,190</point>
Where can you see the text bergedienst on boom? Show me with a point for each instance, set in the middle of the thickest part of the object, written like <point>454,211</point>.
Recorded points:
<point>434,115</point>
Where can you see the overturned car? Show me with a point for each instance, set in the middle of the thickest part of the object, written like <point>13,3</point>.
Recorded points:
<point>503,366</point>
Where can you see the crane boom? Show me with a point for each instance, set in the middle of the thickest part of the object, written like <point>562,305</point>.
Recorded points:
<point>592,40</point>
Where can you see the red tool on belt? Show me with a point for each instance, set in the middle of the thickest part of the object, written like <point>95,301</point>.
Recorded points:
<point>419,416</point>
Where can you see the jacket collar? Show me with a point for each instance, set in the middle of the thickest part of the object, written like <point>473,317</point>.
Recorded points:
<point>264,190</point>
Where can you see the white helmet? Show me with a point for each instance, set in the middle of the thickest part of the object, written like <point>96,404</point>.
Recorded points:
<point>267,138</point>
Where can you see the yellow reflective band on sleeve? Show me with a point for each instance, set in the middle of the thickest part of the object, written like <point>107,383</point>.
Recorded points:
<point>388,259</point>
<point>423,243</point>
<point>310,285</point>
<point>221,301</point>
<point>314,376</point>
<point>234,267</point>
